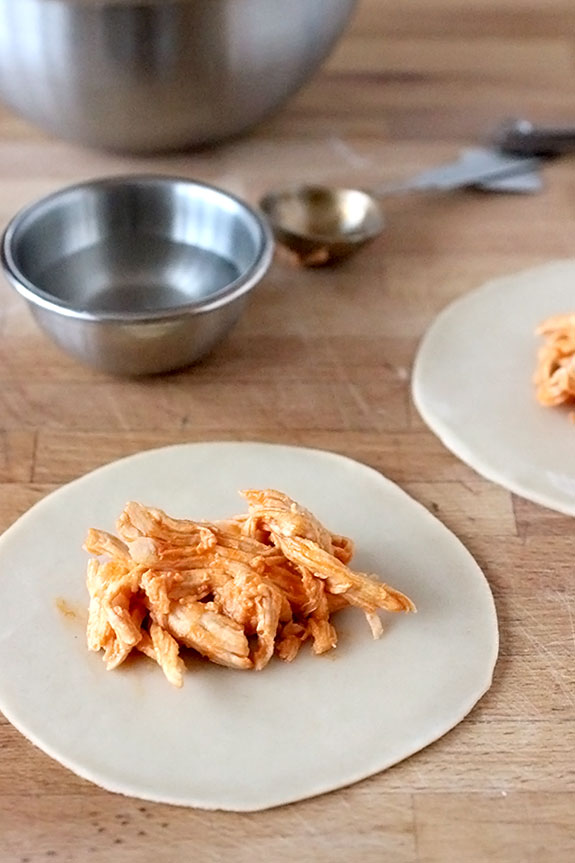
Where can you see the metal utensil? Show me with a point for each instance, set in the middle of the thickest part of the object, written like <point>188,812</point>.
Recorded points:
<point>528,183</point>
<point>322,224</point>
<point>137,275</point>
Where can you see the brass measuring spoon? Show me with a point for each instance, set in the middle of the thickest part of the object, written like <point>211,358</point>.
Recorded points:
<point>323,224</point>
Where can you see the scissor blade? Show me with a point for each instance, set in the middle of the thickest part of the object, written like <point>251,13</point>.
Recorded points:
<point>477,167</point>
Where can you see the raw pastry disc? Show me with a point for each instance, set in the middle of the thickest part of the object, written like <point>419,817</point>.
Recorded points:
<point>472,385</point>
<point>240,740</point>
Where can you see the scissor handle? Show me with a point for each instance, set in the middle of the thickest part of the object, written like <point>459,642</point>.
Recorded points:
<point>523,137</point>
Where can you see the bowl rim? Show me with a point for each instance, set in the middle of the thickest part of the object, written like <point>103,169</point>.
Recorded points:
<point>235,289</point>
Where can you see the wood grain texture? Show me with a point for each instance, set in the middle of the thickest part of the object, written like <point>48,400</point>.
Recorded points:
<point>323,359</point>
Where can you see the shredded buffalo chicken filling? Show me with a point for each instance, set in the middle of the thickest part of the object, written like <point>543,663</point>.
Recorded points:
<point>235,591</point>
<point>554,377</point>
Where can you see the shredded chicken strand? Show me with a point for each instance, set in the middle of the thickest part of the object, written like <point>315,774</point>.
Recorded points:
<point>554,376</point>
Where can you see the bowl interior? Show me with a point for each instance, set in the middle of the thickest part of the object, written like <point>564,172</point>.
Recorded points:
<point>140,245</point>
<point>331,214</point>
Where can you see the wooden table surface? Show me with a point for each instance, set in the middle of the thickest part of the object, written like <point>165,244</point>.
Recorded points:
<point>322,358</point>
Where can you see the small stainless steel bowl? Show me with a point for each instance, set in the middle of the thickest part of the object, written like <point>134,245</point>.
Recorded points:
<point>140,274</point>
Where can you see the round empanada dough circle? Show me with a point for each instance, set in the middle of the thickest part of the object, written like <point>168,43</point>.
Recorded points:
<point>472,385</point>
<point>238,740</point>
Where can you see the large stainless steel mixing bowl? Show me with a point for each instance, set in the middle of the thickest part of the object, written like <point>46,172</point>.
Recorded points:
<point>150,75</point>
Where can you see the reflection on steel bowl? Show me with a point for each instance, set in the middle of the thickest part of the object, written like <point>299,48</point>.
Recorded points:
<point>151,75</point>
